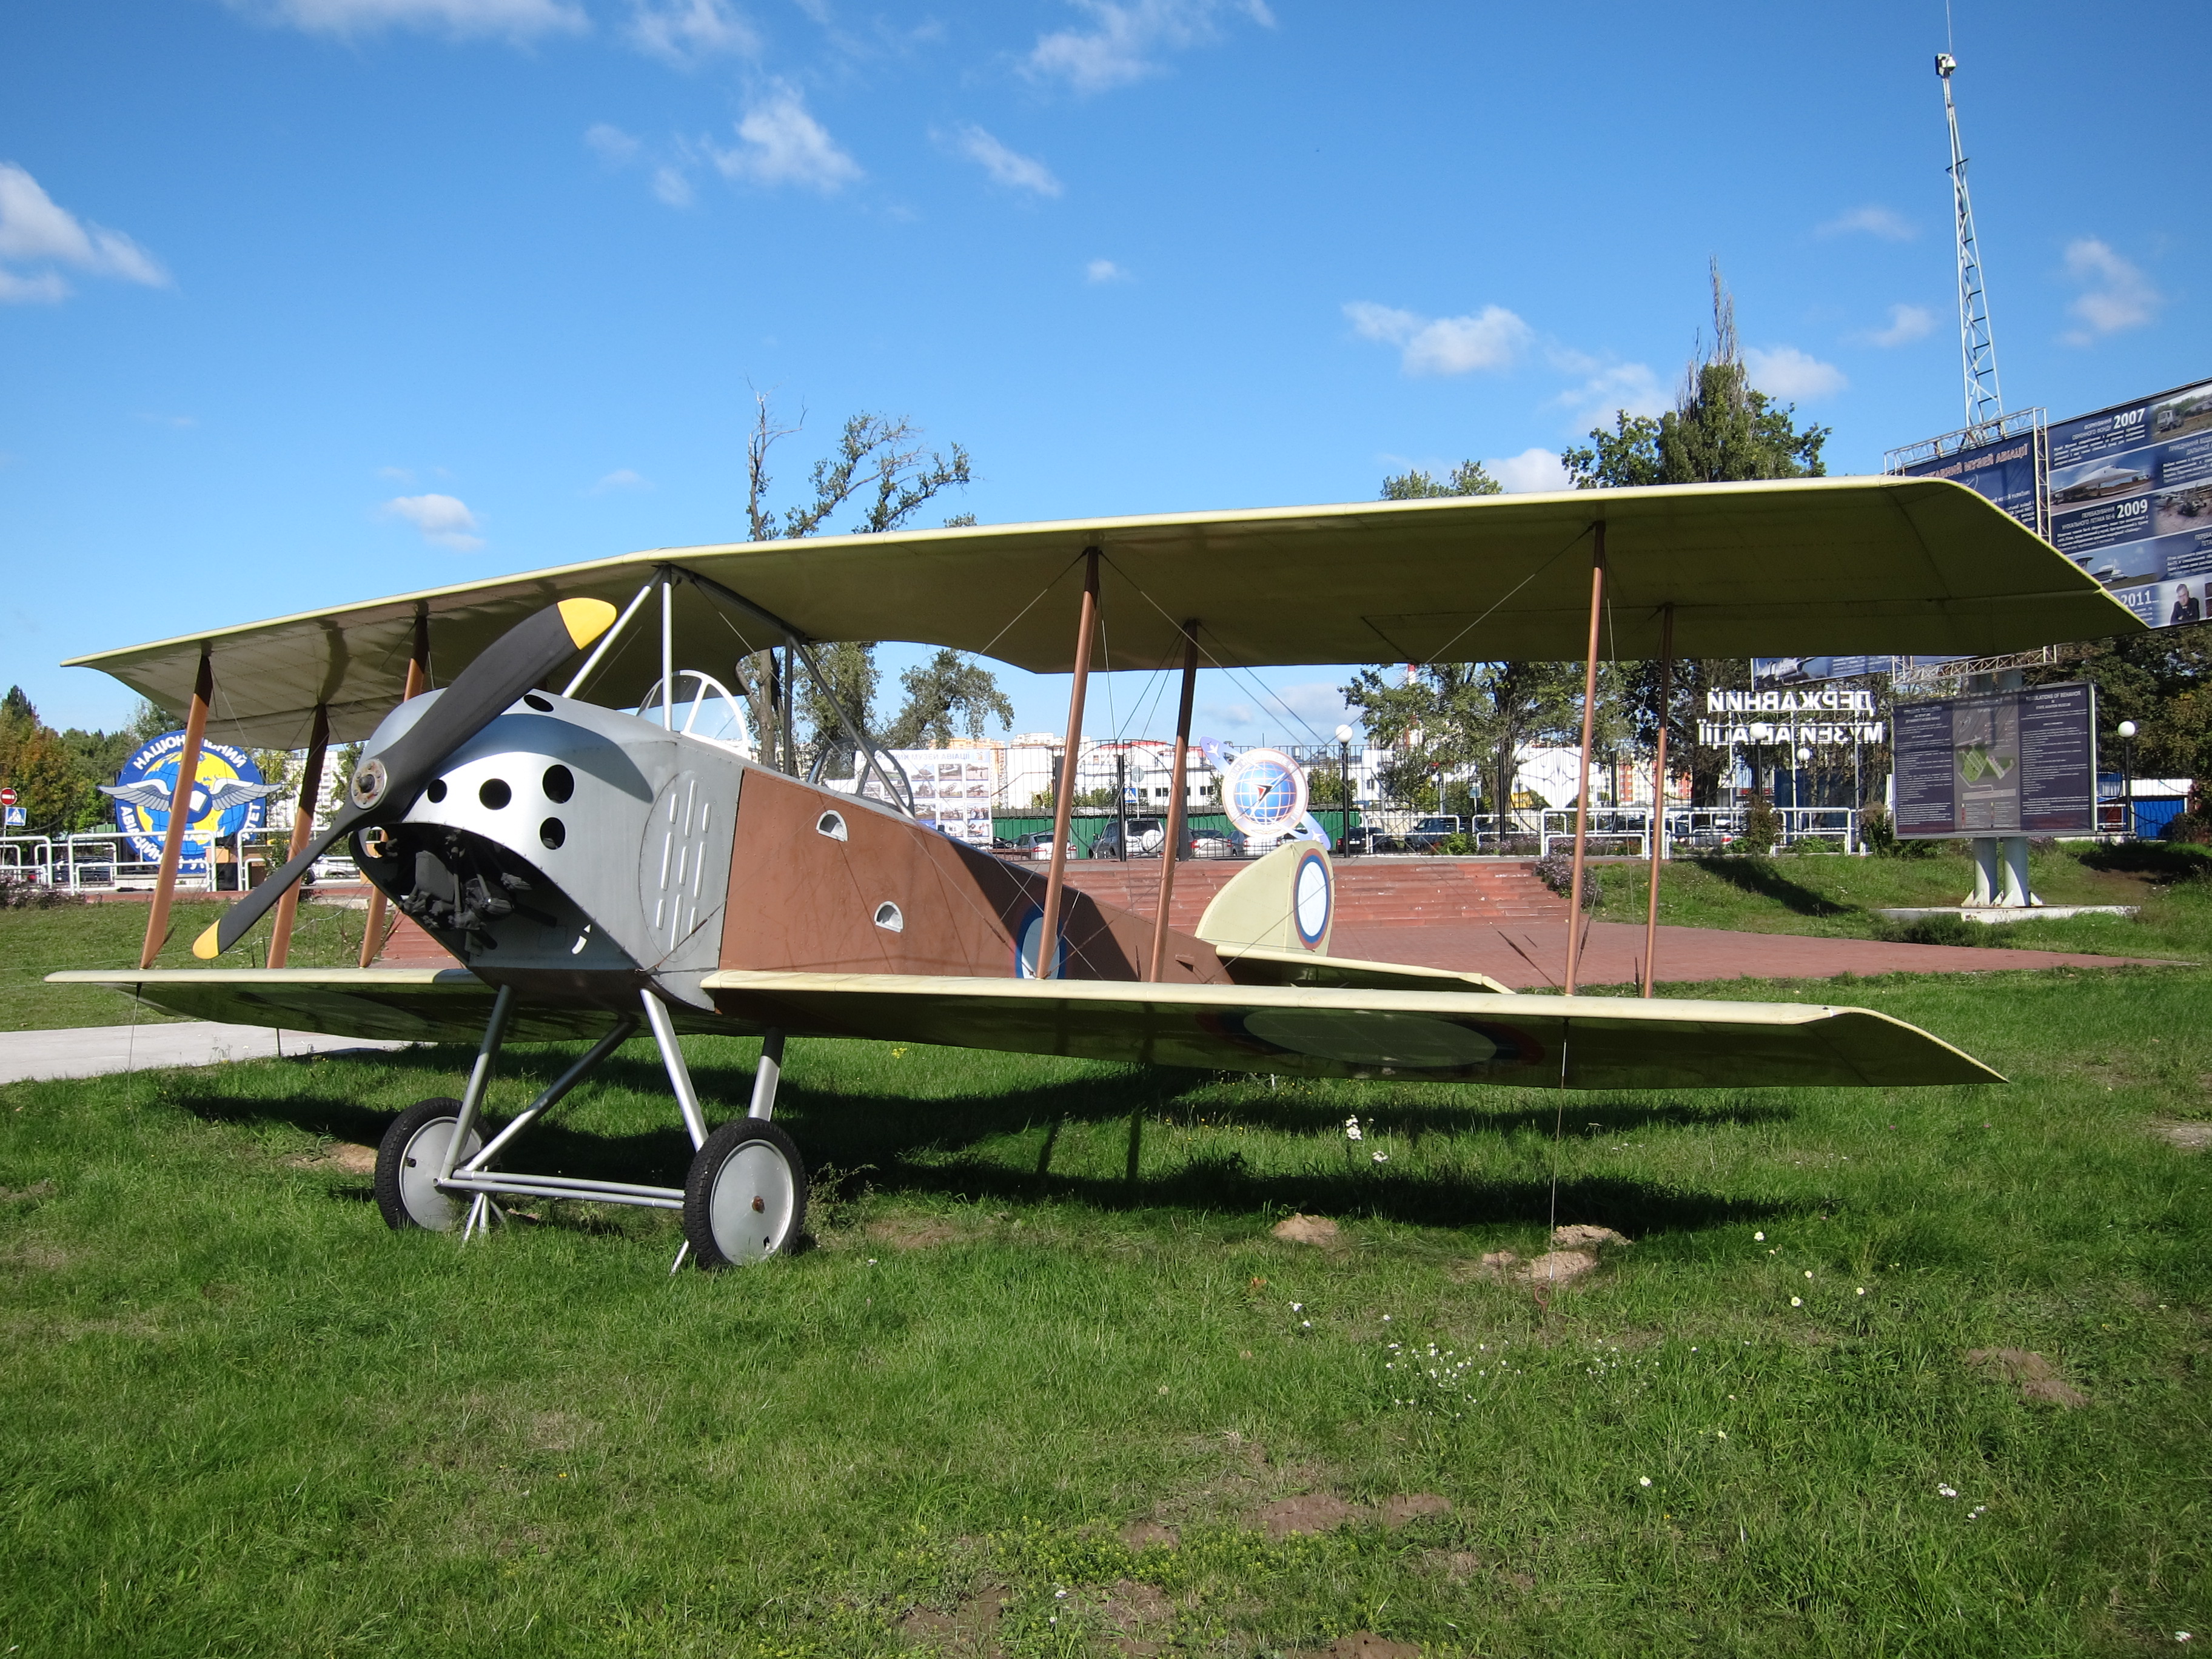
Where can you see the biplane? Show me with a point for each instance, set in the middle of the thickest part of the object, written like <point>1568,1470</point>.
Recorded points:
<point>596,867</point>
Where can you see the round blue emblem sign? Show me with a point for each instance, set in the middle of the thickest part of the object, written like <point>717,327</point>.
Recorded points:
<point>228,795</point>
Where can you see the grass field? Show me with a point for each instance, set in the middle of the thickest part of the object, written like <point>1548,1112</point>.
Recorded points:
<point>1046,1384</point>
<point>1837,897</point>
<point>36,943</point>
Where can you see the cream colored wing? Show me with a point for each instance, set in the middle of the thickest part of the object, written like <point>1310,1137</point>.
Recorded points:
<point>424,1005</point>
<point>1582,1042</point>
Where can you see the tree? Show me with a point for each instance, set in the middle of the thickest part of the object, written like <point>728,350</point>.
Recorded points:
<point>1721,428</point>
<point>881,463</point>
<point>1468,479</point>
<point>52,790</point>
<point>949,690</point>
<point>1446,717</point>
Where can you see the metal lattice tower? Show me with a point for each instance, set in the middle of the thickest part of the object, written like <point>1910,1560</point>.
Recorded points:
<point>1977,348</point>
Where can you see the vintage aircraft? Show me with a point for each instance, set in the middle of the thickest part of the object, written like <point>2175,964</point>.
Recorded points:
<point>591,871</point>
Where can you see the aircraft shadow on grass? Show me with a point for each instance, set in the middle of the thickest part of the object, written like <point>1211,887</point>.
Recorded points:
<point>924,1145</point>
<point>1762,879</point>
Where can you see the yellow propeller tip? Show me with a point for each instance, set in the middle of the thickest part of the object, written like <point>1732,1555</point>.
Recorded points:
<point>586,619</point>
<point>204,946</point>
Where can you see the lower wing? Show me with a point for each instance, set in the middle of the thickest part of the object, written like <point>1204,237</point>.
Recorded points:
<point>1581,1043</point>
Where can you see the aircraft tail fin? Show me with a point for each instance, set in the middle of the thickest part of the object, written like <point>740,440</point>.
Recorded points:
<point>1286,902</point>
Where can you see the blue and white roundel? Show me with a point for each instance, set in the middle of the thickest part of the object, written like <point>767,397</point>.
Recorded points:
<point>1313,894</point>
<point>1264,793</point>
<point>228,794</point>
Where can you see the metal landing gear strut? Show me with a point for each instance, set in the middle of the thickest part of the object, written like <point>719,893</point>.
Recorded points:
<point>744,1198</point>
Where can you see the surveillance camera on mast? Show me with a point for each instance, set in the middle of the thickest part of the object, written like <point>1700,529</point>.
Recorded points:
<point>1945,63</point>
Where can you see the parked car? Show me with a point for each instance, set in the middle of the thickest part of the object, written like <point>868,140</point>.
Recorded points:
<point>1037,845</point>
<point>1428,832</point>
<point>1145,838</point>
<point>1217,844</point>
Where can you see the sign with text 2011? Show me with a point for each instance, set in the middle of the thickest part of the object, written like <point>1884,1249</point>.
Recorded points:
<point>2131,501</point>
<point>2008,763</point>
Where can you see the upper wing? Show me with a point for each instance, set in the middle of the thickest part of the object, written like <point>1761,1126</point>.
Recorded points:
<point>1583,1043</point>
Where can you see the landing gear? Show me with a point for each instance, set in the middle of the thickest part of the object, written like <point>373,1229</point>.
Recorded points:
<point>744,1199</point>
<point>409,1161</point>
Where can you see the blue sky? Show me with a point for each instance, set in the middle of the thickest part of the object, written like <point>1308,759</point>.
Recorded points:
<point>309,301</point>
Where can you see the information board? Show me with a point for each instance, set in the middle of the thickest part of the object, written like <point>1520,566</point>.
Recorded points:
<point>2011,473</point>
<point>1772,671</point>
<point>2004,763</point>
<point>2131,501</point>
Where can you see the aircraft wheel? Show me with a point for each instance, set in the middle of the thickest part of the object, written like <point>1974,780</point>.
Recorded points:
<point>407,1165</point>
<point>744,1199</point>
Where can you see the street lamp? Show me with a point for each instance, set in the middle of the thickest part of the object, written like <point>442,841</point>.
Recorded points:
<point>1344,783</point>
<point>2128,772</point>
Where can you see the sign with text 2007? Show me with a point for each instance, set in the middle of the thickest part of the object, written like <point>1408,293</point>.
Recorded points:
<point>2131,501</point>
<point>2008,763</point>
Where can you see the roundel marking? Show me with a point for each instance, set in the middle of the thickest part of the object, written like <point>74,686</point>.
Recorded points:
<point>1312,897</point>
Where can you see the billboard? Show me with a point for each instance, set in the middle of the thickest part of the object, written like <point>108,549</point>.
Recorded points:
<point>2009,764</point>
<point>1771,672</point>
<point>2009,472</point>
<point>953,790</point>
<point>2131,501</point>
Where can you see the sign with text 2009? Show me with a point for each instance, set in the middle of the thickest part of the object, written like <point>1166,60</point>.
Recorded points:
<point>2008,763</point>
<point>2131,501</point>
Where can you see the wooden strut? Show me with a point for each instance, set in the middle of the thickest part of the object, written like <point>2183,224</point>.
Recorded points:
<point>1590,726</point>
<point>180,813</point>
<point>1171,849</point>
<point>1086,627</point>
<point>303,831</point>
<point>418,681</point>
<point>1659,795</point>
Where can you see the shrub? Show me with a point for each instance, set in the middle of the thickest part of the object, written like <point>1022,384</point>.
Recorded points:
<point>1761,827</point>
<point>1557,872</point>
<point>1881,837</point>
<point>1938,930</point>
<point>16,894</point>
<point>2190,829</point>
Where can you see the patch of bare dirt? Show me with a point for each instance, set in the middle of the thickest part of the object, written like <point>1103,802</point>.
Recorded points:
<point>2037,1378</point>
<point>1307,1512</point>
<point>1577,1236</point>
<point>1412,1506</point>
<point>1306,1230</point>
<point>2189,1137</point>
<point>36,1190</point>
<point>914,1233</point>
<point>29,1253</point>
<point>1143,1535</point>
<point>970,1629</point>
<point>346,1155</point>
<point>1362,1644</point>
<point>1554,1270</point>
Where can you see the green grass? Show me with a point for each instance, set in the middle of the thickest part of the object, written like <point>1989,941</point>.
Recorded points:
<point>1835,896</point>
<point>36,943</point>
<point>242,1418</point>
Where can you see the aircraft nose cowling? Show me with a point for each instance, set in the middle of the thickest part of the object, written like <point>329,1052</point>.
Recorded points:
<point>530,848</point>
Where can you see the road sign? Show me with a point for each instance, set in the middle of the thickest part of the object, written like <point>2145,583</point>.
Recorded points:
<point>18,816</point>
<point>7,798</point>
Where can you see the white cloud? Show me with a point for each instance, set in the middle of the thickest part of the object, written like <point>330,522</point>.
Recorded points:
<point>671,186</point>
<point>1121,44</point>
<point>517,19</point>
<point>779,143</point>
<point>622,478</point>
<point>1005,167</point>
<point>686,32</point>
<point>1870,221</point>
<point>1319,703</point>
<point>36,230</point>
<point>1104,270</point>
<point>2122,296</point>
<point>1529,472</point>
<point>1492,338</point>
<point>1906,324</point>
<point>1786,372</point>
<point>445,519</point>
<point>1607,387</point>
<point>614,147</point>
